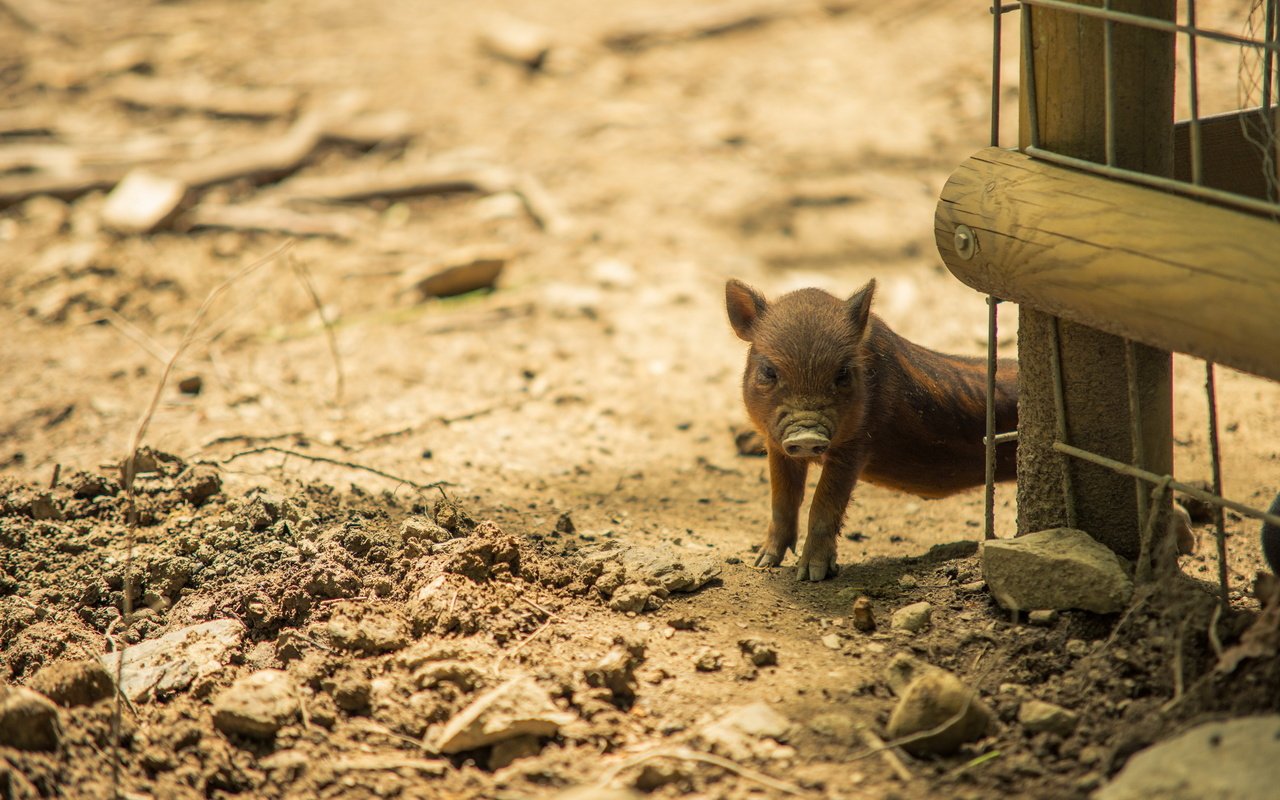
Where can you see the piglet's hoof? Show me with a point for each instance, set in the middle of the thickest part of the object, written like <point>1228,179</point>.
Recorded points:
<point>817,569</point>
<point>767,559</point>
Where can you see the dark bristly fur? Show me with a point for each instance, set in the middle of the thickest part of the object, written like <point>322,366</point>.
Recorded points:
<point>828,381</point>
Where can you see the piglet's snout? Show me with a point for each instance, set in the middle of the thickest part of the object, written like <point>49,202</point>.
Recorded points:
<point>803,442</point>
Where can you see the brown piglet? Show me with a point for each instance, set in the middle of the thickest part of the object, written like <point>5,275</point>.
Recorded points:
<point>826,381</point>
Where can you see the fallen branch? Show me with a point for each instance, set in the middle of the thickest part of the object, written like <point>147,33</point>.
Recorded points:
<point>399,181</point>
<point>272,219</point>
<point>195,94</point>
<point>334,461</point>
<point>700,23</point>
<point>890,756</point>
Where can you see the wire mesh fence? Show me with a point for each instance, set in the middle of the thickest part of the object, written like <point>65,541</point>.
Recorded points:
<point>1228,159</point>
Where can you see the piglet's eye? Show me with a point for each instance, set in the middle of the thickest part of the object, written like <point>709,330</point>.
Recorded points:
<point>845,376</point>
<point>768,374</point>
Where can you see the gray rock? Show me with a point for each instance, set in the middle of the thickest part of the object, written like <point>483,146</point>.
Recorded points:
<point>28,720</point>
<point>1234,760</point>
<point>257,705</point>
<point>913,618</point>
<point>1037,716</point>
<point>1060,568</point>
<point>164,666</point>
<point>930,701</point>
<point>73,683</point>
<point>519,707</point>
<point>739,734</point>
<point>903,669</point>
<point>660,565</point>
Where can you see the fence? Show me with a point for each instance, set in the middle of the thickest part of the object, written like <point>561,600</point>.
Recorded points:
<point>1140,228</point>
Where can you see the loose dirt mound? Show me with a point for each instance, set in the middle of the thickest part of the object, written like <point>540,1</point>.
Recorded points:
<point>396,645</point>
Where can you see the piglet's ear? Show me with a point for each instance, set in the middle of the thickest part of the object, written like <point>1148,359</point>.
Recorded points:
<point>745,305</point>
<point>859,307</point>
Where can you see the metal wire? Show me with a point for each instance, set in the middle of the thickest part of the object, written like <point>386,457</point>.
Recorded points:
<point>1135,426</point>
<point>1197,156</point>
<point>1109,90</point>
<point>989,441</point>
<point>1152,23</point>
<point>1219,523</point>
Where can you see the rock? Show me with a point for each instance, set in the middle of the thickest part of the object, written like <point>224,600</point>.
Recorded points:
<point>192,385</point>
<point>366,628</point>
<point>656,774</point>
<point>1232,760</point>
<point>519,707</point>
<point>507,751</point>
<point>1037,716</point>
<point>708,660</point>
<point>930,701</point>
<point>28,720</point>
<point>832,641</point>
<point>913,618</point>
<point>163,666</point>
<point>759,653</point>
<point>1076,648</point>
<point>842,728</point>
<point>659,565</point>
<point>198,483</point>
<point>257,705</point>
<point>616,671</point>
<point>1060,568</point>
<point>1044,617</point>
<point>420,529</point>
<point>612,273</point>
<point>460,272</point>
<point>630,597</point>
<point>902,670</point>
<point>594,792</point>
<point>73,683</point>
<point>863,617</point>
<point>142,202</point>
<point>516,40</point>
<point>739,733</point>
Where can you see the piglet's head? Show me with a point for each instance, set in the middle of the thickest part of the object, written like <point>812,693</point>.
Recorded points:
<point>804,384</point>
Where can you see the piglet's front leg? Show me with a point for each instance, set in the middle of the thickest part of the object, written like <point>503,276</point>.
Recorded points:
<point>786,485</point>
<point>835,487</point>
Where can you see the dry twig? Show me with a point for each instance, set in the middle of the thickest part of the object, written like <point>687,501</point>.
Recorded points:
<point>340,378</point>
<point>336,462</point>
<point>889,755</point>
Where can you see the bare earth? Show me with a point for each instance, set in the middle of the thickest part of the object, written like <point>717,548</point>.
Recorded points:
<point>591,398</point>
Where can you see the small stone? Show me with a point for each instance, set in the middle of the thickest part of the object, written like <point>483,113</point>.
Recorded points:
<point>519,707</point>
<point>198,483</point>
<point>930,701</point>
<point>612,273</point>
<point>1077,648</point>
<point>913,618</point>
<point>192,385</point>
<point>656,774</point>
<point>630,597</point>
<point>832,641</point>
<point>28,720</point>
<point>169,664</point>
<point>1044,617</point>
<point>509,750</point>
<point>420,529</point>
<point>739,734</point>
<point>863,617</point>
<point>973,587</point>
<point>142,202</point>
<point>564,524</point>
<point>257,705</point>
<point>842,728</point>
<point>759,653</point>
<point>1060,568</point>
<point>616,671</point>
<point>73,683</point>
<point>1038,716</point>
<point>708,660</point>
<point>368,629</point>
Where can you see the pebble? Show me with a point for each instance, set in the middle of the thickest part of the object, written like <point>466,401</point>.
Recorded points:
<point>1077,648</point>
<point>708,660</point>
<point>519,707</point>
<point>28,720</point>
<point>913,618</point>
<point>1037,716</point>
<point>833,641</point>
<point>758,652</point>
<point>1045,617</point>
<point>257,705</point>
<point>863,617</point>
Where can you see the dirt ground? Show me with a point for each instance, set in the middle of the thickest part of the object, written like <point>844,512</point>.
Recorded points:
<point>591,398</point>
